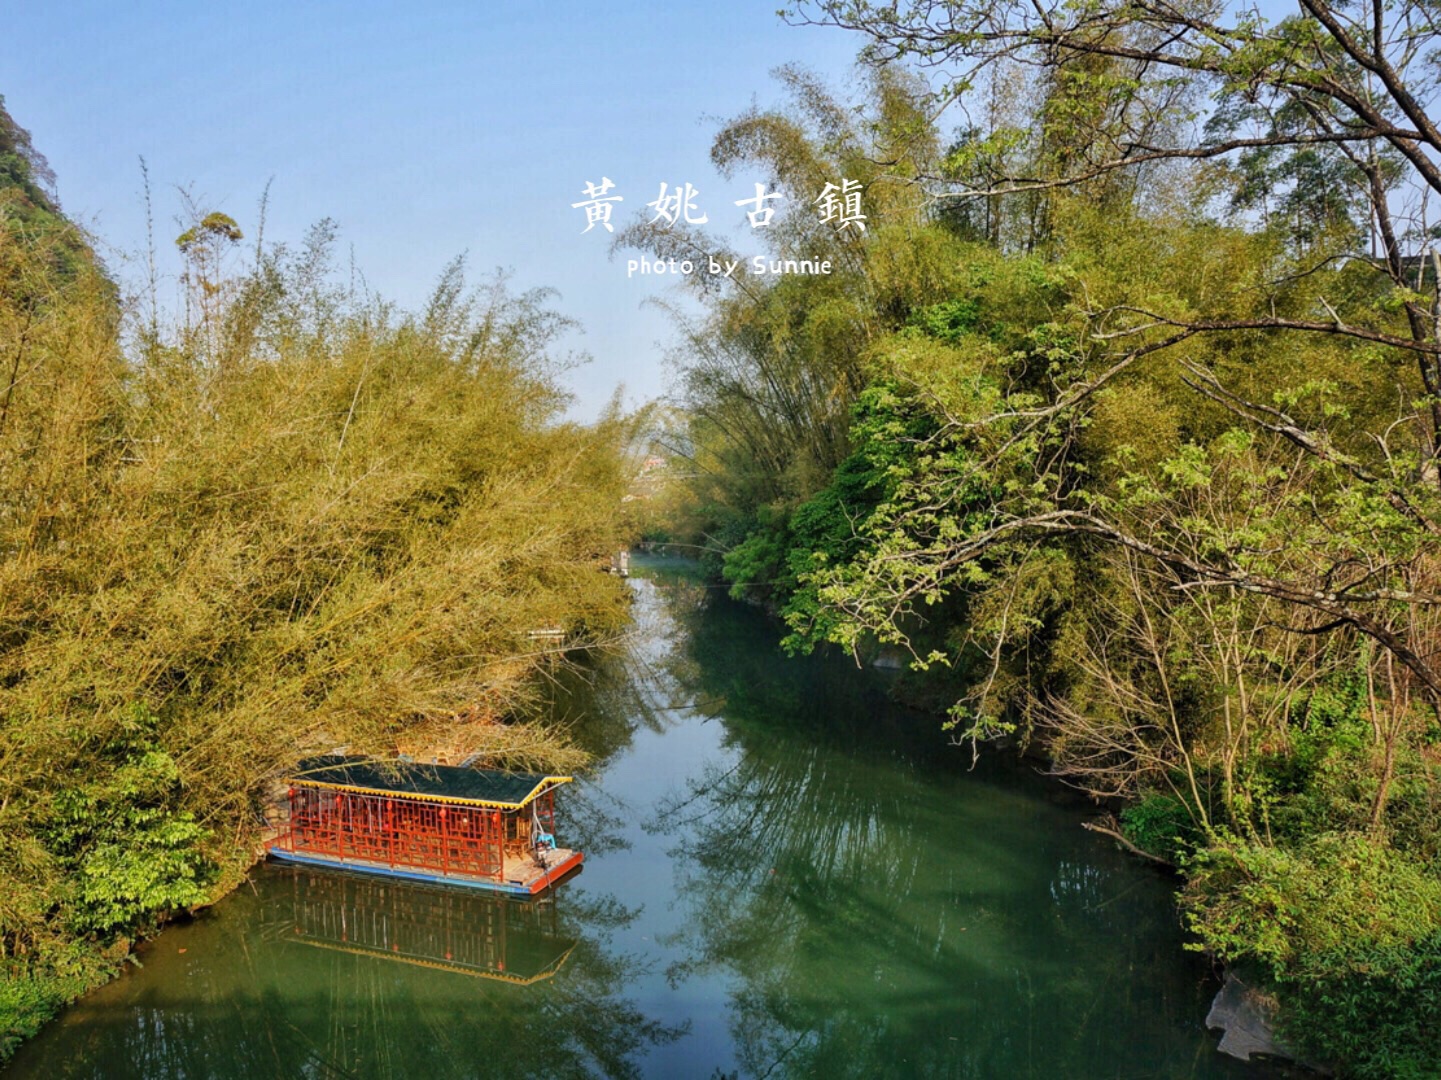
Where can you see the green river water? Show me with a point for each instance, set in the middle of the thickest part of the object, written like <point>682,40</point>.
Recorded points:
<point>786,876</point>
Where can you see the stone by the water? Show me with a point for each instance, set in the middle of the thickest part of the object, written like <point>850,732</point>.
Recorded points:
<point>1248,1018</point>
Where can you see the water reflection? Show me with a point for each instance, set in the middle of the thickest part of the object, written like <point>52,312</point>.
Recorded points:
<point>883,911</point>
<point>440,928</point>
<point>319,974</point>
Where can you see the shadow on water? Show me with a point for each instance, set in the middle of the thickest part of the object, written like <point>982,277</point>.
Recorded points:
<point>787,876</point>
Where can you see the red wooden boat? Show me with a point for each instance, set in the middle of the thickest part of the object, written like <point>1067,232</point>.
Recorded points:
<point>440,823</point>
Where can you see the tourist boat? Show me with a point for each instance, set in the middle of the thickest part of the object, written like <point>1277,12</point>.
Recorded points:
<point>438,823</point>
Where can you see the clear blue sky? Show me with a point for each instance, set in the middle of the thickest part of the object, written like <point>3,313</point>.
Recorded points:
<point>424,129</point>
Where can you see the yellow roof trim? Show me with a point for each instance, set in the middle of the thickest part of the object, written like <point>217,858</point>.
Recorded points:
<point>541,788</point>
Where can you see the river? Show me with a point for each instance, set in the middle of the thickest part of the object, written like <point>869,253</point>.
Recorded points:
<point>786,876</point>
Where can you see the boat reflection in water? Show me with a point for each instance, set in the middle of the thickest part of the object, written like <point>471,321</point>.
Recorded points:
<point>328,974</point>
<point>485,935</point>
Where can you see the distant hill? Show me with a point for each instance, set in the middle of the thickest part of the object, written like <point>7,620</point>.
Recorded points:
<point>22,166</point>
<point>29,207</point>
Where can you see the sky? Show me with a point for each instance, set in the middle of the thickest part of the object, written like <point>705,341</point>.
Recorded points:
<point>425,130</point>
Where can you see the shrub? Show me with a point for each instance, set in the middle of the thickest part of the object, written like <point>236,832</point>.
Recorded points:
<point>1349,930</point>
<point>1161,824</point>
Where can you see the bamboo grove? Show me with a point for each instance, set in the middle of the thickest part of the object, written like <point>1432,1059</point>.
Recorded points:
<point>290,519</point>
<point>1120,419</point>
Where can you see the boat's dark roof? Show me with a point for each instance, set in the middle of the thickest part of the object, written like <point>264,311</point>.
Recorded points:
<point>436,783</point>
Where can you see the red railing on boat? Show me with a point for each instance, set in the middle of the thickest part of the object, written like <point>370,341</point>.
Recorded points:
<point>407,833</point>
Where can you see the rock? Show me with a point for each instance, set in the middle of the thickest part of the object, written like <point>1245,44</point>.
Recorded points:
<point>1248,1018</point>
<point>889,660</point>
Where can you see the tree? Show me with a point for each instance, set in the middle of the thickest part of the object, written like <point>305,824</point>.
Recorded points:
<point>1356,80</point>
<point>1341,96</point>
<point>769,374</point>
<point>205,244</point>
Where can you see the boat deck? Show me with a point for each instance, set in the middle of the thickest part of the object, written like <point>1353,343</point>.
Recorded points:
<point>522,873</point>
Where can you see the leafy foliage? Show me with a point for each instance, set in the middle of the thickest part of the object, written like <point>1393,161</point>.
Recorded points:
<point>1161,824</point>
<point>1349,931</point>
<point>129,848</point>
